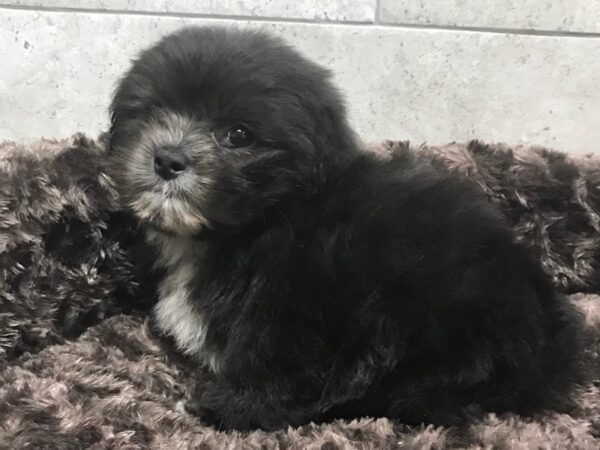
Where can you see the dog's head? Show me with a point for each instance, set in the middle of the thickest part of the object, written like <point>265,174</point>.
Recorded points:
<point>214,128</point>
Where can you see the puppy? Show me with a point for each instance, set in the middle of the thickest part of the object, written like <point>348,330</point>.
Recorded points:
<point>312,280</point>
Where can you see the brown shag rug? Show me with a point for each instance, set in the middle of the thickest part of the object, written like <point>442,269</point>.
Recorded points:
<point>79,367</point>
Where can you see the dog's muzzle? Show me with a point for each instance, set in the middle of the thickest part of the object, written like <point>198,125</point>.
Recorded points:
<point>170,161</point>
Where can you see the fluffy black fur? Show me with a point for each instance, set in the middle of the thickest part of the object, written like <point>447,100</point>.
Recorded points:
<point>327,282</point>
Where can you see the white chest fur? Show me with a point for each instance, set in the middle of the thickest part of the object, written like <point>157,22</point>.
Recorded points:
<point>175,313</point>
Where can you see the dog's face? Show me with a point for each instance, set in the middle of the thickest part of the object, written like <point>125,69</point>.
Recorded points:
<point>214,128</point>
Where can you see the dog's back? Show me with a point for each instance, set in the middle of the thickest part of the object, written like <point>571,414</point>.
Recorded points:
<point>465,313</point>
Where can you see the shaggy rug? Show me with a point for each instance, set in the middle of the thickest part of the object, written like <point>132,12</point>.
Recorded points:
<point>80,367</point>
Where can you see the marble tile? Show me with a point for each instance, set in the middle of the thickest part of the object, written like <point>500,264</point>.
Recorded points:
<point>551,15</point>
<point>59,69</point>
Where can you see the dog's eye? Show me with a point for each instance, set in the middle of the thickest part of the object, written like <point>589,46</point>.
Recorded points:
<point>236,137</point>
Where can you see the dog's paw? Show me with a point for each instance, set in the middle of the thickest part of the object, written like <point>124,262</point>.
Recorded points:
<point>180,407</point>
<point>194,408</point>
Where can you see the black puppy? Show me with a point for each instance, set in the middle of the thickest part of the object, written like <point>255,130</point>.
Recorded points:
<point>313,280</point>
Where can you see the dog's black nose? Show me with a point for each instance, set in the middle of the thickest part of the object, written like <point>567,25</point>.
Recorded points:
<point>170,162</point>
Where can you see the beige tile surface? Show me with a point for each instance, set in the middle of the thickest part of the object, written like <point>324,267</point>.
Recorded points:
<point>58,71</point>
<point>552,15</point>
<point>323,10</point>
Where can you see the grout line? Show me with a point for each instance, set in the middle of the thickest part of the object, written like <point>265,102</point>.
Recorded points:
<point>376,24</point>
<point>515,31</point>
<point>184,15</point>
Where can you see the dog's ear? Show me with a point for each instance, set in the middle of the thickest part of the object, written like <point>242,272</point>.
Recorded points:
<point>335,140</point>
<point>337,132</point>
<point>116,110</point>
<point>110,134</point>
<point>127,101</point>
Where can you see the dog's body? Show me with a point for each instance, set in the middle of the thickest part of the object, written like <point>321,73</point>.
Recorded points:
<point>315,281</point>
